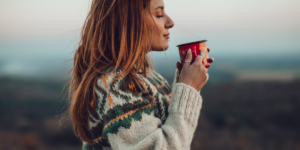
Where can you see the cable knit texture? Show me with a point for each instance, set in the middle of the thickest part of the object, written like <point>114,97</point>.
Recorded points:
<point>124,118</point>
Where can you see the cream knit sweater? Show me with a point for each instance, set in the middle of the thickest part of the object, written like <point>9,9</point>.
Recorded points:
<point>124,118</point>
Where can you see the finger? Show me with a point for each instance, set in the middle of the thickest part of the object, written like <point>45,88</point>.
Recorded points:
<point>210,60</point>
<point>189,57</point>
<point>207,65</point>
<point>180,66</point>
<point>199,59</point>
<point>178,63</point>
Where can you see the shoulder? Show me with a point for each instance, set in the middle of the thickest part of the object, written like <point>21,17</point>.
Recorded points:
<point>118,85</point>
<point>160,82</point>
<point>116,101</point>
<point>120,92</point>
<point>119,102</point>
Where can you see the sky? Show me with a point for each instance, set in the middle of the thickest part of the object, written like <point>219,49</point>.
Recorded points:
<point>47,31</point>
<point>46,18</point>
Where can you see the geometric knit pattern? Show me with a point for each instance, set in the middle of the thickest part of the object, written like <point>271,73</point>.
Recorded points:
<point>121,104</point>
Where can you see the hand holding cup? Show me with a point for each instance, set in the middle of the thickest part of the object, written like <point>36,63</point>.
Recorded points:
<point>193,74</point>
<point>179,65</point>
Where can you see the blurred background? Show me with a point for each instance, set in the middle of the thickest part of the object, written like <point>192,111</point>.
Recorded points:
<point>251,101</point>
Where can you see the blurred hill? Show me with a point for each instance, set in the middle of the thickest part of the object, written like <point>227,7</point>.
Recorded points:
<point>29,114</point>
<point>236,115</point>
<point>250,102</point>
<point>250,115</point>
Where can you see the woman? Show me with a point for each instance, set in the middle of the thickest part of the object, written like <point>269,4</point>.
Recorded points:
<point>117,100</point>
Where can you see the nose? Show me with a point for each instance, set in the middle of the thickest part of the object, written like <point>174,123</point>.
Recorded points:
<point>169,23</point>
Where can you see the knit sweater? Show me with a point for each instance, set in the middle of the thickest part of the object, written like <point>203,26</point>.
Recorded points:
<point>124,118</point>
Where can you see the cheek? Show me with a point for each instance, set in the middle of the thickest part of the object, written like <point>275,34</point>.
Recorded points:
<point>161,28</point>
<point>158,27</point>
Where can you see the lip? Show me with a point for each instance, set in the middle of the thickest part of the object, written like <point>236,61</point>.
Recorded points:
<point>167,36</point>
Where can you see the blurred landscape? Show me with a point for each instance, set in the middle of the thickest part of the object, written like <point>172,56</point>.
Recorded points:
<point>251,100</point>
<point>247,105</point>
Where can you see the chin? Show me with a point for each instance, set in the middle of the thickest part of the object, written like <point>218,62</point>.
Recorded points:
<point>160,48</point>
<point>166,46</point>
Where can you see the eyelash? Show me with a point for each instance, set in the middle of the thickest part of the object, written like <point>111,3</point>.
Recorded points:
<point>160,16</point>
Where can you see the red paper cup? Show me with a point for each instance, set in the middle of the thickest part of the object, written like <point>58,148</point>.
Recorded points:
<point>197,48</point>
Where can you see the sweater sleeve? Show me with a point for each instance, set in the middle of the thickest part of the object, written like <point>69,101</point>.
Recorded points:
<point>176,77</point>
<point>130,122</point>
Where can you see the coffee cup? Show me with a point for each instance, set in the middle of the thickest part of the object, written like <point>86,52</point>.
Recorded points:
<point>197,48</point>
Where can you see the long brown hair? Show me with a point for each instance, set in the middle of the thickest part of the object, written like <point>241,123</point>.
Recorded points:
<point>114,35</point>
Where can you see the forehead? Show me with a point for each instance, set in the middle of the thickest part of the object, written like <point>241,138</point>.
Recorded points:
<point>156,3</point>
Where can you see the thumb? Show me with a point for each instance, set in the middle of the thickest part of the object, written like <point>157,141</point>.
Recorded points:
<point>177,65</point>
<point>189,57</point>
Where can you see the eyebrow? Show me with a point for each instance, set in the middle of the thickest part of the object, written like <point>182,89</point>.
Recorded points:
<point>159,7</point>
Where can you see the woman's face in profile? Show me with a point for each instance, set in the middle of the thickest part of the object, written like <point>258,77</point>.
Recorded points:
<point>159,33</point>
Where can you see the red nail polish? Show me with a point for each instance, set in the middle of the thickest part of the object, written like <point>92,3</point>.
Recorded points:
<point>207,65</point>
<point>209,60</point>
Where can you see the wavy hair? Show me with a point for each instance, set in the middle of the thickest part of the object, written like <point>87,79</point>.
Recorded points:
<point>114,35</point>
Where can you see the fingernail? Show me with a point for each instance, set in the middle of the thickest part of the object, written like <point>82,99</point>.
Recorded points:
<point>189,51</point>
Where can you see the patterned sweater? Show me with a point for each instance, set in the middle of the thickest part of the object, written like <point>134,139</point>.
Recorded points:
<point>125,118</point>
